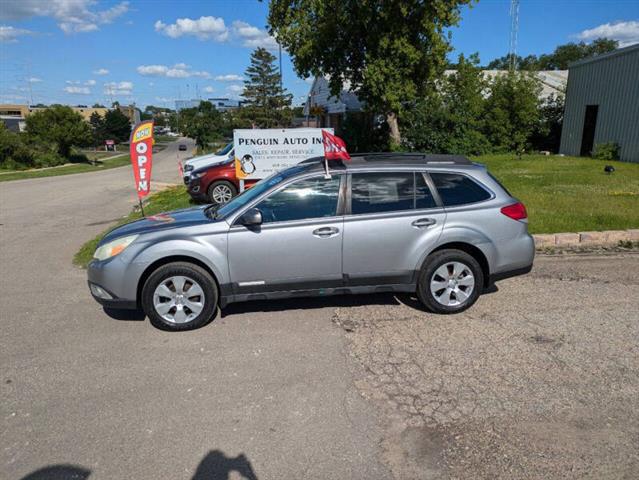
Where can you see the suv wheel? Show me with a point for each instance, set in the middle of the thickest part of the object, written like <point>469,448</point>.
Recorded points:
<point>221,192</point>
<point>179,296</point>
<point>450,281</point>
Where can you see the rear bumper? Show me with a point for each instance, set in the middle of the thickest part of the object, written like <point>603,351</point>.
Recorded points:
<point>495,277</point>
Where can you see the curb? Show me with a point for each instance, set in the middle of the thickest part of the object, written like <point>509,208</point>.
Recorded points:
<point>607,237</point>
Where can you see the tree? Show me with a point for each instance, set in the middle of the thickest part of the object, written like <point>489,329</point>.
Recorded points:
<point>61,126</point>
<point>450,119</point>
<point>98,105</point>
<point>203,123</point>
<point>266,103</point>
<point>564,55</point>
<point>98,128</point>
<point>559,59</point>
<point>547,135</point>
<point>512,111</point>
<point>388,52</point>
<point>116,126</point>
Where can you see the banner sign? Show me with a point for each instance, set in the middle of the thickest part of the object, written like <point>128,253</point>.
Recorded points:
<point>259,153</point>
<point>334,147</point>
<point>142,156</point>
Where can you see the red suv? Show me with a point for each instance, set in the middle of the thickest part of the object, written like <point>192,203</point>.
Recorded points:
<point>215,184</point>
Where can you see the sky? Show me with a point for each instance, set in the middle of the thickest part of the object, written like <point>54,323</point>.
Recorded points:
<point>153,52</point>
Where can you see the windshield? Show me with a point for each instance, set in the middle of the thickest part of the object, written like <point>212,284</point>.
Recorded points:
<point>225,150</point>
<point>248,195</point>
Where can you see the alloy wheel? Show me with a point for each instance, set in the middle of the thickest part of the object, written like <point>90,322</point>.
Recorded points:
<point>452,284</point>
<point>178,299</point>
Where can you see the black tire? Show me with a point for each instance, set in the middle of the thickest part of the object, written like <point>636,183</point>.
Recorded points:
<point>195,272</point>
<point>435,261</point>
<point>218,183</point>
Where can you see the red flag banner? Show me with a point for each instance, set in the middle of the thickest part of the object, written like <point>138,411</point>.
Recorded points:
<point>334,147</point>
<point>142,156</point>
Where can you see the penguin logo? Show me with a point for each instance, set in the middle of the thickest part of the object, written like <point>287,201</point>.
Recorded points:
<point>247,165</point>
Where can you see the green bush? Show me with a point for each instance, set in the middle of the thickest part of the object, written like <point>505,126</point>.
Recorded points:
<point>606,151</point>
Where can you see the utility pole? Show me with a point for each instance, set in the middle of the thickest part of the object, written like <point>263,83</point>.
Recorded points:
<point>514,32</point>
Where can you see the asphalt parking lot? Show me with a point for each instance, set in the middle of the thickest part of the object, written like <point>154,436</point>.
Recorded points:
<point>539,380</point>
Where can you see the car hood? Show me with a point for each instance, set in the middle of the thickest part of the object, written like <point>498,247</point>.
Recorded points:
<point>187,217</point>
<point>207,161</point>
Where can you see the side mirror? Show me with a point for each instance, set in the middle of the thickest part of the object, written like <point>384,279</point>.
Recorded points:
<point>251,218</point>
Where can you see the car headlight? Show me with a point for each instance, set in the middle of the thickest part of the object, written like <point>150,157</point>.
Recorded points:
<point>188,168</point>
<point>114,247</point>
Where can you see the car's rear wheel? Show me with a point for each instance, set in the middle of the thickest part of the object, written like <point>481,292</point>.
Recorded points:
<point>450,281</point>
<point>221,192</point>
<point>179,296</point>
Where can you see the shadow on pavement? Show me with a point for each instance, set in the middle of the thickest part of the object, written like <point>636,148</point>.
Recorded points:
<point>311,303</point>
<point>125,315</point>
<point>214,466</point>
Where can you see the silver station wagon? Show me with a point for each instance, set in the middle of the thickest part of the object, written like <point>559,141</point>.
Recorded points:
<point>438,226</point>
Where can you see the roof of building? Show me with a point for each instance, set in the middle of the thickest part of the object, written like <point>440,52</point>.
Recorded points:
<point>605,56</point>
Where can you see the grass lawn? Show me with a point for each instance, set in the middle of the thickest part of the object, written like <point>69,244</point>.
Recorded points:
<point>562,194</point>
<point>172,198</point>
<point>570,194</point>
<point>6,175</point>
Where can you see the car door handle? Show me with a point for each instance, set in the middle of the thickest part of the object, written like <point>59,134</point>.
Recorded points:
<point>424,222</point>
<point>326,232</point>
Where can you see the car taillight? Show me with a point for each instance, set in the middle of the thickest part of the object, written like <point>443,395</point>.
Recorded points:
<point>516,211</point>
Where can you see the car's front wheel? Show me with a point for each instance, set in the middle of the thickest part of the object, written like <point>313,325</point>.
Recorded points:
<point>221,192</point>
<point>179,296</point>
<point>450,281</point>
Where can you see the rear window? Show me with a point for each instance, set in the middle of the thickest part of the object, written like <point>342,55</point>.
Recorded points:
<point>455,189</point>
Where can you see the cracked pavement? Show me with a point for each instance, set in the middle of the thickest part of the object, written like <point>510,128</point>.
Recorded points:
<point>537,380</point>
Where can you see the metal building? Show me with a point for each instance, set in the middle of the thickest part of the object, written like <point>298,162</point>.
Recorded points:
<point>602,104</point>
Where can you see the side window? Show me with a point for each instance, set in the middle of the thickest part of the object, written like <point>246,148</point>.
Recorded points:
<point>455,189</point>
<point>310,198</point>
<point>423,195</point>
<point>381,192</point>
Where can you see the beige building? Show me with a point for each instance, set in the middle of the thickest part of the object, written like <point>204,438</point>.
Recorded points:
<point>13,115</point>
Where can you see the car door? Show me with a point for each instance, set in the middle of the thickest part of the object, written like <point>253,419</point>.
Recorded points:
<point>392,219</point>
<point>298,246</point>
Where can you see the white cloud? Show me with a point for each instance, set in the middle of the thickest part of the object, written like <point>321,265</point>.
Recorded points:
<point>73,16</point>
<point>34,79</point>
<point>118,88</point>
<point>253,37</point>
<point>209,89</point>
<point>235,88</point>
<point>90,82</point>
<point>229,78</point>
<point>203,28</point>
<point>9,34</point>
<point>13,97</point>
<point>179,70</point>
<point>163,99</point>
<point>78,90</point>
<point>626,33</point>
<point>101,71</point>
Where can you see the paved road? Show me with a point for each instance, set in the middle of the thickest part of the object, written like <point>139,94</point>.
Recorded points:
<point>268,392</point>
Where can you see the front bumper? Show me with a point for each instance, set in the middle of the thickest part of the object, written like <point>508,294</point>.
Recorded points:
<point>107,284</point>
<point>108,300</point>
<point>196,190</point>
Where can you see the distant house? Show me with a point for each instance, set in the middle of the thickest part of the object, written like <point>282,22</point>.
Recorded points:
<point>602,104</point>
<point>330,110</point>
